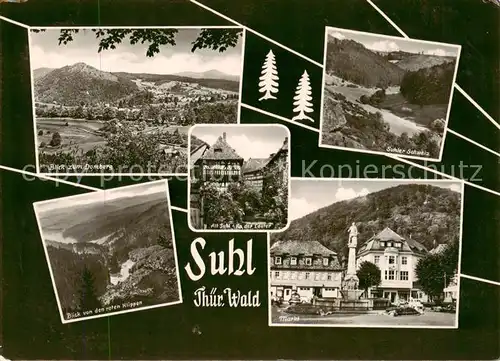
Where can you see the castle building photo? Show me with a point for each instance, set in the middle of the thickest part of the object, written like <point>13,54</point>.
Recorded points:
<point>371,253</point>
<point>239,177</point>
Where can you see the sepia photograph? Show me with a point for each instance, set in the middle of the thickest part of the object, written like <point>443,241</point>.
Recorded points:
<point>368,253</point>
<point>385,94</point>
<point>121,100</point>
<point>110,251</point>
<point>239,177</point>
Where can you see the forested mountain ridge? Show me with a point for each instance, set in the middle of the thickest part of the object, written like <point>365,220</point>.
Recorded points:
<point>424,212</point>
<point>353,62</point>
<point>73,84</point>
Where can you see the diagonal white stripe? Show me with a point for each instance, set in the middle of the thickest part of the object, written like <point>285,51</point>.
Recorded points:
<point>14,22</point>
<point>174,208</point>
<point>480,279</point>
<point>473,142</point>
<point>279,117</point>
<point>57,180</point>
<point>389,20</point>
<point>399,159</point>
<point>464,93</point>
<point>473,102</point>
<point>256,33</point>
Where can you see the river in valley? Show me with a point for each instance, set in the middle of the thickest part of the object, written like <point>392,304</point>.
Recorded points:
<point>124,272</point>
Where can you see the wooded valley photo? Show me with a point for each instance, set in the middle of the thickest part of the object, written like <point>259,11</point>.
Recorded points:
<point>121,100</point>
<point>384,94</point>
<point>110,251</point>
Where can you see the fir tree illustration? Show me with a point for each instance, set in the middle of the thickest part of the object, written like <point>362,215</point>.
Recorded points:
<point>303,99</point>
<point>268,83</point>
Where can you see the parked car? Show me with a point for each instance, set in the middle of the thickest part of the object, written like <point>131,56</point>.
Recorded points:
<point>276,300</point>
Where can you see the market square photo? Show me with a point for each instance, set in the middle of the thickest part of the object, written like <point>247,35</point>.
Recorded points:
<point>121,101</point>
<point>110,251</point>
<point>368,253</point>
<point>239,177</point>
<point>386,94</point>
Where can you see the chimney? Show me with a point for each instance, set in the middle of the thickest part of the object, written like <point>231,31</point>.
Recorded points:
<point>224,135</point>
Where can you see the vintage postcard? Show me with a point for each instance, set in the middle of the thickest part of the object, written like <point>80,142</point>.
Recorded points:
<point>368,253</point>
<point>121,100</point>
<point>111,252</point>
<point>386,94</point>
<point>239,177</point>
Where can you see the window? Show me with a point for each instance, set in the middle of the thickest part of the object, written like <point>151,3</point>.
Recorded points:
<point>403,275</point>
<point>277,260</point>
<point>404,260</point>
<point>398,245</point>
<point>293,276</point>
<point>329,277</point>
<point>389,244</point>
<point>307,275</point>
<point>317,275</point>
<point>391,275</point>
<point>285,275</point>
<point>392,259</point>
<point>382,244</point>
<point>325,261</point>
<point>308,261</point>
<point>293,261</point>
<point>376,259</point>
<point>276,275</point>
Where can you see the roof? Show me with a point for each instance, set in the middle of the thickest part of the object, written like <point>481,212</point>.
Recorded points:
<point>301,247</point>
<point>283,148</point>
<point>438,249</point>
<point>253,164</point>
<point>305,248</point>
<point>221,150</point>
<point>387,234</point>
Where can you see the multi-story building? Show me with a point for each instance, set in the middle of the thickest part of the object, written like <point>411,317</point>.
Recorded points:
<point>305,267</point>
<point>258,171</point>
<point>253,172</point>
<point>218,164</point>
<point>397,258</point>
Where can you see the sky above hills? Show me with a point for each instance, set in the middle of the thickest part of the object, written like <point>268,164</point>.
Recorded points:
<point>102,197</point>
<point>45,52</point>
<point>377,42</point>
<point>309,195</point>
<point>248,141</point>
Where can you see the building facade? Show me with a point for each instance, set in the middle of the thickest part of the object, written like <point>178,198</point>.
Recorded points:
<point>258,171</point>
<point>305,267</point>
<point>397,258</point>
<point>219,165</point>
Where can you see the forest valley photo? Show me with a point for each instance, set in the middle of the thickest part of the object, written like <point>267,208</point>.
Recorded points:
<point>391,101</point>
<point>94,121</point>
<point>111,256</point>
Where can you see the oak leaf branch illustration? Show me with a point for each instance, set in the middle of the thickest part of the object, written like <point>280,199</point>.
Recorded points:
<point>214,39</point>
<point>268,83</point>
<point>302,99</point>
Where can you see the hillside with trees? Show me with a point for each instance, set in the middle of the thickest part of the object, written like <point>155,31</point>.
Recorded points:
<point>138,233</point>
<point>353,62</point>
<point>424,212</point>
<point>429,85</point>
